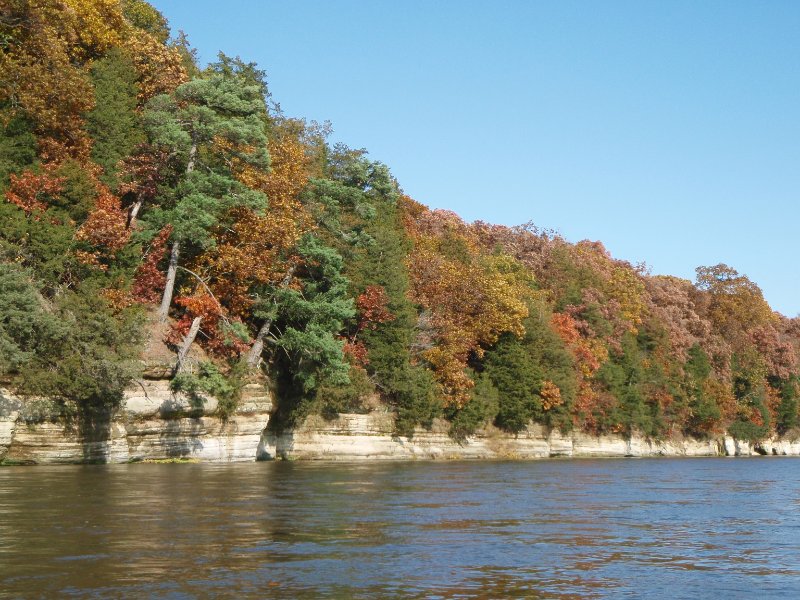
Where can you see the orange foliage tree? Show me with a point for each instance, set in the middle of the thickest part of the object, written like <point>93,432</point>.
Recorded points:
<point>257,250</point>
<point>472,297</point>
<point>32,191</point>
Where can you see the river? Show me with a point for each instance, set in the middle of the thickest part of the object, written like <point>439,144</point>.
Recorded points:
<point>672,528</point>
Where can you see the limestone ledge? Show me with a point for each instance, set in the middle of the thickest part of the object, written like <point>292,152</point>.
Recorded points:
<point>156,424</point>
<point>152,424</point>
<point>148,398</point>
<point>357,437</point>
<point>9,413</point>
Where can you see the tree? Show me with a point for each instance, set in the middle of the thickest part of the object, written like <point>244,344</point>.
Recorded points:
<point>113,123</point>
<point>359,210</point>
<point>44,66</point>
<point>734,303</point>
<point>143,16</point>
<point>787,417</point>
<point>372,305</point>
<point>212,122</point>
<point>704,416</point>
<point>17,145</point>
<point>518,381</point>
<point>473,297</point>
<point>307,323</point>
<point>24,322</point>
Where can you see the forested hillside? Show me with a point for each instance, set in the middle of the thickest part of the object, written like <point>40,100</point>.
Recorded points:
<point>144,195</point>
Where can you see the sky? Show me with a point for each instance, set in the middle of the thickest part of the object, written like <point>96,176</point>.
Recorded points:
<point>670,131</point>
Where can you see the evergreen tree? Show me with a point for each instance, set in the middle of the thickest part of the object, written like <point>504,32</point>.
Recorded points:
<point>213,122</point>
<point>482,407</point>
<point>703,411</point>
<point>518,379</point>
<point>787,417</point>
<point>306,326</point>
<point>357,208</point>
<point>113,123</point>
<point>25,326</point>
<point>17,146</point>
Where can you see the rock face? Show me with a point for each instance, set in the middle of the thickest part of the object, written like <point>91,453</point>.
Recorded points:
<point>155,423</point>
<point>9,412</point>
<point>356,437</point>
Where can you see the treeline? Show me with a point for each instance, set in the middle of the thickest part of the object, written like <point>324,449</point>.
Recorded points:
<point>144,195</point>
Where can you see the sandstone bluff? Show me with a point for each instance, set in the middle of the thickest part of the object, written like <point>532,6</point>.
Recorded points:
<point>155,423</point>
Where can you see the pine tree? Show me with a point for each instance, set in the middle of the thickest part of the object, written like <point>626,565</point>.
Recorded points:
<point>209,122</point>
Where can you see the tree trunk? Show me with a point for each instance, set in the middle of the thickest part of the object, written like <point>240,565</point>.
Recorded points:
<point>172,270</point>
<point>254,356</point>
<point>192,156</point>
<point>134,212</point>
<point>187,343</point>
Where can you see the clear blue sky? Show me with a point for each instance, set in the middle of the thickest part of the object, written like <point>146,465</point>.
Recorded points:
<point>670,131</point>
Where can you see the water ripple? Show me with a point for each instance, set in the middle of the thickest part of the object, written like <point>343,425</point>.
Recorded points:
<point>547,529</point>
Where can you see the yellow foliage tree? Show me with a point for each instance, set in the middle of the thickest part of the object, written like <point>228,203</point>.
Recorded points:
<point>472,297</point>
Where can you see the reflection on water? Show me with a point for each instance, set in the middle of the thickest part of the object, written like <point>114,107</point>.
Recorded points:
<point>550,529</point>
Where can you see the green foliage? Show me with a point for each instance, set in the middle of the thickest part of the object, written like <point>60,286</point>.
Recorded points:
<point>203,112</point>
<point>220,105</point>
<point>698,366</point>
<point>519,367</point>
<point>747,431</point>
<point>25,324</point>
<point>637,391</point>
<point>557,365</point>
<point>17,146</point>
<point>89,355</point>
<point>333,399</point>
<point>210,380</point>
<point>310,320</point>
<point>624,376</point>
<point>748,375</point>
<point>518,378</point>
<point>568,279</point>
<point>787,417</point>
<point>357,212</point>
<point>409,388</point>
<point>307,322</point>
<point>143,16</point>
<point>704,414</point>
<point>44,246</point>
<point>113,123</point>
<point>78,195</point>
<point>413,396</point>
<point>482,408</point>
<point>247,73</point>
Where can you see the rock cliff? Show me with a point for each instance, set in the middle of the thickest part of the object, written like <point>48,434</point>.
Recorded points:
<point>152,423</point>
<point>155,423</point>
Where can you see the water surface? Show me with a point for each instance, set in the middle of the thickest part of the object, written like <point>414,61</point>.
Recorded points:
<point>699,528</point>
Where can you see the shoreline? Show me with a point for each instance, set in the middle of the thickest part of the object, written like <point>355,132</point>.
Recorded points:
<point>157,425</point>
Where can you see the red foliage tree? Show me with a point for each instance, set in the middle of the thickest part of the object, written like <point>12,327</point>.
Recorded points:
<point>148,281</point>
<point>373,309</point>
<point>216,329</point>
<point>32,191</point>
